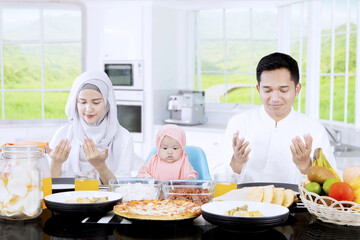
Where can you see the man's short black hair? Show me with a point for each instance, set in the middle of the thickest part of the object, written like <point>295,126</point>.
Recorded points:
<point>275,61</point>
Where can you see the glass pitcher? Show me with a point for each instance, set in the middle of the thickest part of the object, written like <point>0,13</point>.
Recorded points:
<point>21,191</point>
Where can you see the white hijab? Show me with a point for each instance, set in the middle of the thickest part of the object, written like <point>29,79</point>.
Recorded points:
<point>98,131</point>
<point>107,132</point>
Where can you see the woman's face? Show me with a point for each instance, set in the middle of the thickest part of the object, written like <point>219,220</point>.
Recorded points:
<point>91,105</point>
<point>170,150</point>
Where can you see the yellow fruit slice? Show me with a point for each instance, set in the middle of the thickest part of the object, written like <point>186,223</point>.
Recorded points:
<point>268,195</point>
<point>357,196</point>
<point>355,184</point>
<point>256,194</point>
<point>279,194</point>
<point>289,197</point>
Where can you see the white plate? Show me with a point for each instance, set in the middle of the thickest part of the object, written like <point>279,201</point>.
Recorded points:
<point>267,209</point>
<point>58,202</point>
<point>274,215</point>
<point>63,186</point>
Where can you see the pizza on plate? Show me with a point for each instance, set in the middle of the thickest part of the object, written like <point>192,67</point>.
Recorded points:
<point>161,209</point>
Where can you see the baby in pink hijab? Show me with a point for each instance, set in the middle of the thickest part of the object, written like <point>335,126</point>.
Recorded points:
<point>170,162</point>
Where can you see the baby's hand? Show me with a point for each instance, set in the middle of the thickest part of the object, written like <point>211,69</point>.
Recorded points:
<point>191,177</point>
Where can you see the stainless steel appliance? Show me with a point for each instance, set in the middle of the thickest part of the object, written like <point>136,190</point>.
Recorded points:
<point>130,111</point>
<point>125,75</point>
<point>187,108</point>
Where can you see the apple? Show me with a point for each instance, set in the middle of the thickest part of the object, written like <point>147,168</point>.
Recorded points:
<point>350,173</point>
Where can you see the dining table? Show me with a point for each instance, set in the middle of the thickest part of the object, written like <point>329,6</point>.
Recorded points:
<point>54,225</point>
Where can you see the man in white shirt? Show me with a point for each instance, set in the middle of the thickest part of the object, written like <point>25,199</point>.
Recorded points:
<point>274,143</point>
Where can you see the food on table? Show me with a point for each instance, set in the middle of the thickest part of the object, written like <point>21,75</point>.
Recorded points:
<point>88,200</point>
<point>256,194</point>
<point>320,160</point>
<point>137,191</point>
<point>320,179</point>
<point>161,209</point>
<point>319,174</point>
<point>195,195</point>
<point>271,194</point>
<point>355,184</point>
<point>20,191</point>
<point>289,198</point>
<point>357,196</point>
<point>279,196</point>
<point>314,187</point>
<point>342,191</point>
<point>268,194</point>
<point>350,173</point>
<point>243,212</point>
<point>327,184</point>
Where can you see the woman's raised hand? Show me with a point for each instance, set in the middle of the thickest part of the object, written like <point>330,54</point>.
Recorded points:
<point>61,152</point>
<point>92,153</point>
<point>59,155</point>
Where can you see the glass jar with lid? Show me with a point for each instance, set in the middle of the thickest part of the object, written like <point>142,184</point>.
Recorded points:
<point>20,182</point>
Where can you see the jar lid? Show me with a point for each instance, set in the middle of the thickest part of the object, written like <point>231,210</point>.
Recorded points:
<point>20,148</point>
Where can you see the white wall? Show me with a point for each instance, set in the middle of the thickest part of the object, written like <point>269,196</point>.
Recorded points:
<point>42,132</point>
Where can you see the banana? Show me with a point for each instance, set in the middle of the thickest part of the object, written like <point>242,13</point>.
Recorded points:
<point>320,160</point>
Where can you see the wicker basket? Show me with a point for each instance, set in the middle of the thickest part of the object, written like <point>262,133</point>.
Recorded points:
<point>330,210</point>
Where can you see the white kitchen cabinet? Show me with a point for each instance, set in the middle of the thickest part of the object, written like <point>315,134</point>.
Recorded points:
<point>122,36</point>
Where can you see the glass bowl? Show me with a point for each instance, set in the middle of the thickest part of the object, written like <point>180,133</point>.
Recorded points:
<point>197,191</point>
<point>136,188</point>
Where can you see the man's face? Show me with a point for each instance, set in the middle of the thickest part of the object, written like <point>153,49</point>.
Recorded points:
<point>277,92</point>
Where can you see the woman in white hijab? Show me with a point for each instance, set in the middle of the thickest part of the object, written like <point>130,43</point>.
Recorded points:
<point>93,137</point>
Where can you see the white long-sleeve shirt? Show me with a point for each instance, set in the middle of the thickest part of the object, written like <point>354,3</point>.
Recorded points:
<point>119,160</point>
<point>270,159</point>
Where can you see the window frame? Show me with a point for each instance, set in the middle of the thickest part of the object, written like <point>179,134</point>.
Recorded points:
<point>41,42</point>
<point>224,40</point>
<point>313,57</point>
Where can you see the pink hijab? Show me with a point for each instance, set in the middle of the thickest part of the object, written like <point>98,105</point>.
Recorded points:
<point>160,169</point>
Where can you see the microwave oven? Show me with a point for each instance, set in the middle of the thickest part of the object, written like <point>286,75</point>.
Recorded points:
<point>125,75</point>
<point>130,112</point>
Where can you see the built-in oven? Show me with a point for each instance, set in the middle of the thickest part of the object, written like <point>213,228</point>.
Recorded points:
<point>125,75</point>
<point>130,112</point>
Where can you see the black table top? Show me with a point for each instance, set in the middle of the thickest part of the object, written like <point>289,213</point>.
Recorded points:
<point>51,225</point>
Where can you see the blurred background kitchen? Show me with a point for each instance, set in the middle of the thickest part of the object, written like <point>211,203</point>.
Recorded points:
<point>190,62</point>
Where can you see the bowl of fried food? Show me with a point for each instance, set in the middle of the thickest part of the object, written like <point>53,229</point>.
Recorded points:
<point>196,191</point>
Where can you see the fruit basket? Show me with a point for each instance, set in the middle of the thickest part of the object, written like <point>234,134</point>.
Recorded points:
<point>330,210</point>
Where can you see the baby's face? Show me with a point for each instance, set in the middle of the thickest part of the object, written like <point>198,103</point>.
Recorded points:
<point>170,149</point>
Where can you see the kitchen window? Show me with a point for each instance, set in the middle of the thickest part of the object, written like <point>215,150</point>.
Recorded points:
<point>229,45</point>
<point>41,55</point>
<point>338,60</point>
<point>320,35</point>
